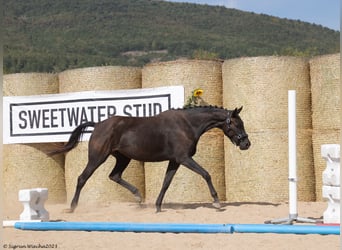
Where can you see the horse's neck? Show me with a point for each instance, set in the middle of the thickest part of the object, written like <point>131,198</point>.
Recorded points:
<point>204,120</point>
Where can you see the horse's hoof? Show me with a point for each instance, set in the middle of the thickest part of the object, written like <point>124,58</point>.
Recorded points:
<point>217,205</point>
<point>68,210</point>
<point>138,198</point>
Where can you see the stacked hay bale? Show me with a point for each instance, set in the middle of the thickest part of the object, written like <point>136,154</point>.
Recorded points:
<point>261,85</point>
<point>325,87</point>
<point>27,166</point>
<point>99,187</point>
<point>187,186</point>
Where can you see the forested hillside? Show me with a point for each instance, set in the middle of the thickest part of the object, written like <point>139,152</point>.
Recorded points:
<point>51,36</point>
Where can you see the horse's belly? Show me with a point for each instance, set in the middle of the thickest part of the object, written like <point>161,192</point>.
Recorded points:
<point>148,147</point>
<point>146,156</point>
<point>147,153</point>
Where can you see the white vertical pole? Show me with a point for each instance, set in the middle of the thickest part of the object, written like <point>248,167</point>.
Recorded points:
<point>293,215</point>
<point>292,154</point>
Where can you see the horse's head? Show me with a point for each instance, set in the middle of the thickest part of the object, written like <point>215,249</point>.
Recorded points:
<point>234,129</point>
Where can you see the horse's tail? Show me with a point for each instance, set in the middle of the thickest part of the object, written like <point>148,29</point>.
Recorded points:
<point>74,139</point>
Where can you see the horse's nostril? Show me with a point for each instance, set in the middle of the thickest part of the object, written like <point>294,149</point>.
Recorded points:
<point>247,144</point>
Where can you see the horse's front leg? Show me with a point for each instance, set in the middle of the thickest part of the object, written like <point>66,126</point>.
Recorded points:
<point>170,173</point>
<point>194,166</point>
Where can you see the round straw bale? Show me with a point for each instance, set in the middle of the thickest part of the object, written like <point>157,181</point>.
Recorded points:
<point>99,187</point>
<point>188,186</point>
<point>100,78</point>
<point>24,84</point>
<point>326,101</point>
<point>27,166</point>
<point>260,85</point>
<point>191,74</point>
<point>325,87</point>
<point>251,178</point>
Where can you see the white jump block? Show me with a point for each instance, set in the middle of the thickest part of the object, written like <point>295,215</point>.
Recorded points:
<point>331,151</point>
<point>331,182</point>
<point>331,175</point>
<point>33,201</point>
<point>332,213</point>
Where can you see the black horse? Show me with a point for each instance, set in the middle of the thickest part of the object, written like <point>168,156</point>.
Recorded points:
<point>170,136</point>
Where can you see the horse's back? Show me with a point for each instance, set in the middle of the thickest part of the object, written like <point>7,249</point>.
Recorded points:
<point>170,117</point>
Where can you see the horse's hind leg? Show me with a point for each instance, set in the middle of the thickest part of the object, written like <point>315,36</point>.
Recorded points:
<point>93,163</point>
<point>194,166</point>
<point>116,175</point>
<point>170,173</point>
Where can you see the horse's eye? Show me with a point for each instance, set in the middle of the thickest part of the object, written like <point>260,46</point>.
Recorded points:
<point>228,120</point>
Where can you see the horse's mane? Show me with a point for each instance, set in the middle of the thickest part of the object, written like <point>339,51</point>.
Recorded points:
<point>201,107</point>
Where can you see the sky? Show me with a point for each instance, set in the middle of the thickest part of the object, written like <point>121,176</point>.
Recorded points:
<point>322,12</point>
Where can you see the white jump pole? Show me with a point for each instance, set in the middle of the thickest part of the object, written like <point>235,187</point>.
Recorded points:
<point>292,137</point>
<point>292,154</point>
<point>10,223</point>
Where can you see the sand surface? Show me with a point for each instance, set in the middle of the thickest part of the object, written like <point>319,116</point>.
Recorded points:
<point>177,213</point>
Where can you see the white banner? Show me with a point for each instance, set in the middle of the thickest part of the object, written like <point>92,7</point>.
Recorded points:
<point>51,118</point>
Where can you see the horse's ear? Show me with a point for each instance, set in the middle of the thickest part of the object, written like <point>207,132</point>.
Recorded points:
<point>237,111</point>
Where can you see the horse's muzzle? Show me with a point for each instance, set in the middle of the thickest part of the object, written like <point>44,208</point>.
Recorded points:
<point>245,144</point>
